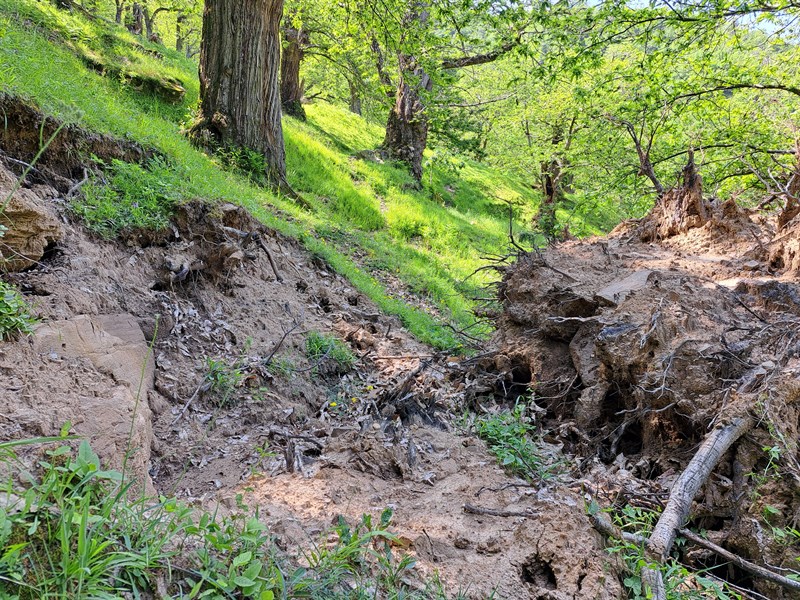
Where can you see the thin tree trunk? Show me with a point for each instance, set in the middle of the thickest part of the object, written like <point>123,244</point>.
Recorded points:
<point>291,86</point>
<point>180,20</point>
<point>148,23</point>
<point>120,8</point>
<point>138,19</point>
<point>239,67</point>
<point>407,126</point>
<point>355,98</point>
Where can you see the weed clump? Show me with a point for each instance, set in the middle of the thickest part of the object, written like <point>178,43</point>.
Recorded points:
<point>222,379</point>
<point>326,348</point>
<point>15,316</point>
<point>511,438</point>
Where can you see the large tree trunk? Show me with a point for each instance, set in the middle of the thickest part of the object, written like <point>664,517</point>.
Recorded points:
<point>407,127</point>
<point>239,66</point>
<point>291,85</point>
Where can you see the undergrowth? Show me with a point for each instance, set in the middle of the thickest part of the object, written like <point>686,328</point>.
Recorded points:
<point>70,529</point>
<point>128,197</point>
<point>15,315</point>
<point>327,347</point>
<point>511,437</point>
<point>680,582</point>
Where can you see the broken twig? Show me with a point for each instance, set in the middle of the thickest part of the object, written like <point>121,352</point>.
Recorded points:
<point>743,564</point>
<point>498,512</point>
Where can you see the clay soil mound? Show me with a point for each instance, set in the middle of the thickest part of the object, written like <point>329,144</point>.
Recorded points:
<point>636,349</point>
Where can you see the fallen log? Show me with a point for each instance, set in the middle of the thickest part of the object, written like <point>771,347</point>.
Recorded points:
<point>711,451</point>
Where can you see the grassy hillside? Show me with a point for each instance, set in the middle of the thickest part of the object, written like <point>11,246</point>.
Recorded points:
<point>366,218</point>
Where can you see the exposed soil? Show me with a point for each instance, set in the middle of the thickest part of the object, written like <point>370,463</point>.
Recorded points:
<point>633,350</point>
<point>638,343</point>
<point>63,162</point>
<point>305,441</point>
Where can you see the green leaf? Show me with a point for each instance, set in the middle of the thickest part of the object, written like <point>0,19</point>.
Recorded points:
<point>243,581</point>
<point>242,559</point>
<point>253,570</point>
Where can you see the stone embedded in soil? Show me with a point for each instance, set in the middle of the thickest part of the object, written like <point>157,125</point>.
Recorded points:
<point>91,371</point>
<point>30,224</point>
<point>618,290</point>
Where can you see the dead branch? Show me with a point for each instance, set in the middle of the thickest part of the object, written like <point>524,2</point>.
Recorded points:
<point>278,277</point>
<point>683,492</point>
<point>266,362</point>
<point>505,486</point>
<point>743,564</point>
<point>202,388</point>
<point>498,512</point>
<point>603,524</point>
<point>292,436</point>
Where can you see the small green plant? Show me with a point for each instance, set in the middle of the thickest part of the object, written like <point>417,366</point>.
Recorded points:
<point>283,366</point>
<point>680,582</point>
<point>223,379</point>
<point>327,347</point>
<point>135,197</point>
<point>510,436</point>
<point>361,558</point>
<point>247,162</point>
<point>15,316</point>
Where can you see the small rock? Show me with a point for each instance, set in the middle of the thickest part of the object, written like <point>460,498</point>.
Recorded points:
<point>751,265</point>
<point>462,543</point>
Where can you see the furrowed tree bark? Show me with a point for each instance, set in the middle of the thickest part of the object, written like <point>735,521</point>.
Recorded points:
<point>294,46</point>
<point>683,492</point>
<point>239,67</point>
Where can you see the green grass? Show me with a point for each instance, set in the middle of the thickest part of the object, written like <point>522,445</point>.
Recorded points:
<point>71,529</point>
<point>320,347</point>
<point>134,197</point>
<point>366,221</point>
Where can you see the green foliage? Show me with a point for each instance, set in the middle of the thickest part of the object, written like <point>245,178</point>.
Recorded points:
<point>135,197</point>
<point>327,347</point>
<point>15,316</point>
<point>70,529</point>
<point>680,582</point>
<point>363,558</point>
<point>70,532</point>
<point>510,435</point>
<point>223,379</point>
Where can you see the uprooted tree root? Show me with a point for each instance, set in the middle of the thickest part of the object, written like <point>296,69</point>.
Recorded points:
<point>639,344</point>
